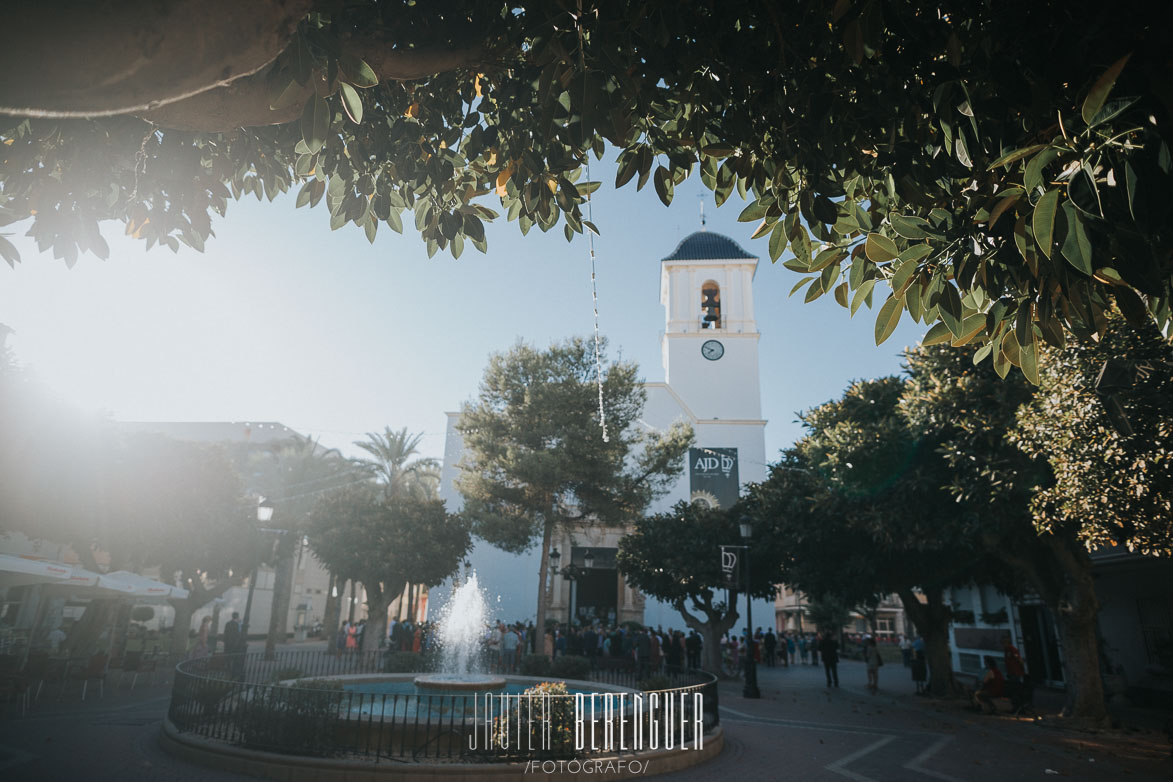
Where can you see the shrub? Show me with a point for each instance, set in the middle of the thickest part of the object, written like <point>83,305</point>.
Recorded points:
<point>570,667</point>
<point>297,720</point>
<point>534,665</point>
<point>555,714</point>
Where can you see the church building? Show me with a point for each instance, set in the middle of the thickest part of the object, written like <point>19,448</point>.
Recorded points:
<point>711,381</point>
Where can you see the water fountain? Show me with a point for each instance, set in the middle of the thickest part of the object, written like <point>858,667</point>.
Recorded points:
<point>462,623</point>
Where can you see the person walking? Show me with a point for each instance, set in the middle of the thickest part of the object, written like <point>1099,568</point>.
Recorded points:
<point>871,657</point>
<point>235,644</point>
<point>829,648</point>
<point>813,645</point>
<point>351,637</point>
<point>200,650</point>
<point>769,648</point>
<point>906,651</point>
<point>920,671</point>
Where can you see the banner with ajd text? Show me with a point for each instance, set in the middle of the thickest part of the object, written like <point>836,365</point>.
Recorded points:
<point>713,476</point>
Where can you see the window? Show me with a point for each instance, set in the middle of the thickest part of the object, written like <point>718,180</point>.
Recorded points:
<point>710,305</point>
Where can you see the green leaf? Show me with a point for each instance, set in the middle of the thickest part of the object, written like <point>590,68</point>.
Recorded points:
<point>1032,179</point>
<point>1001,365</point>
<point>762,229</point>
<point>1077,248</point>
<point>1043,221</point>
<point>937,335</point>
<point>352,103</point>
<point>304,195</point>
<point>880,248</point>
<point>755,211</point>
<point>9,252</point>
<point>963,151</point>
<point>980,355</point>
<point>1001,207</point>
<point>800,283</point>
<point>370,227</point>
<point>1131,305</point>
<point>777,241</point>
<point>1099,91</point>
<point>861,294</point>
<point>971,326</point>
<point>395,222</point>
<point>357,71</point>
<point>888,318</point>
<point>1024,325</point>
<point>1130,187</point>
<point>285,96</point>
<point>841,294</point>
<point>949,308</point>
<point>903,276</point>
<point>908,226</point>
<point>1017,154</point>
<point>1029,363</point>
<point>663,183</point>
<point>315,122</point>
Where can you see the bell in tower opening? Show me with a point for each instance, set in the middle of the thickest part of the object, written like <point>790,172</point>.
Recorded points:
<point>710,306</point>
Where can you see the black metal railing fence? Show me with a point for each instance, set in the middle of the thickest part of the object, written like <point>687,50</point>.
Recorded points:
<point>293,703</point>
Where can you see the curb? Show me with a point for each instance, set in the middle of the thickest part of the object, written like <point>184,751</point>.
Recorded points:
<point>271,765</point>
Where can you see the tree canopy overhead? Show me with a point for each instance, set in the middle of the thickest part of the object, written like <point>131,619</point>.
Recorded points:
<point>1002,167</point>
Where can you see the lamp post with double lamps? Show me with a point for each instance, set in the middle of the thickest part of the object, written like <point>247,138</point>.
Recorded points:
<point>264,515</point>
<point>751,669</point>
<point>571,573</point>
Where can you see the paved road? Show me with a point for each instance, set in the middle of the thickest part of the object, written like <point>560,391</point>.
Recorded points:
<point>797,731</point>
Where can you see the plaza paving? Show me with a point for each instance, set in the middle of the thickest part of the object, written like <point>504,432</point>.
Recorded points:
<point>798,730</point>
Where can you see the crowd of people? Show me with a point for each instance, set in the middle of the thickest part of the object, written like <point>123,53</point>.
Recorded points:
<point>654,650</point>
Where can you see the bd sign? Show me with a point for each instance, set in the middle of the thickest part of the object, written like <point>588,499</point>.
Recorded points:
<point>713,479</point>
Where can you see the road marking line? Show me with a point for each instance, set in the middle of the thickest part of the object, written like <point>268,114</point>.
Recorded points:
<point>915,763</point>
<point>838,766</point>
<point>834,728</point>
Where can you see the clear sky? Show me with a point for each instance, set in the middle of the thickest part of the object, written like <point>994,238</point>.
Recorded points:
<point>283,320</point>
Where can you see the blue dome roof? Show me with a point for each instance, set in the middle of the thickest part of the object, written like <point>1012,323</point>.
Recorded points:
<point>707,246</point>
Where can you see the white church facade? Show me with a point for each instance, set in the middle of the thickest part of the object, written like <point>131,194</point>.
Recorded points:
<point>711,381</point>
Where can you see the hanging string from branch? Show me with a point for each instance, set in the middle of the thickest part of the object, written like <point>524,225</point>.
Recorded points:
<point>591,220</point>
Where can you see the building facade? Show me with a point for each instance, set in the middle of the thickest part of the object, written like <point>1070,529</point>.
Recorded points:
<point>709,352</point>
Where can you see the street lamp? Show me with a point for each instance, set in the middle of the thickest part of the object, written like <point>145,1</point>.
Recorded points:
<point>264,515</point>
<point>751,669</point>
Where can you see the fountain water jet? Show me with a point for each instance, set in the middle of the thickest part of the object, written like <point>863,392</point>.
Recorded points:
<point>462,623</point>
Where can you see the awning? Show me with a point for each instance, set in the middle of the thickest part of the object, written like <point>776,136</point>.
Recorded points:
<point>100,583</point>
<point>21,571</point>
<point>148,588</point>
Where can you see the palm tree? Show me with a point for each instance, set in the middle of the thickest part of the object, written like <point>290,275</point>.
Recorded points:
<point>401,477</point>
<point>394,467</point>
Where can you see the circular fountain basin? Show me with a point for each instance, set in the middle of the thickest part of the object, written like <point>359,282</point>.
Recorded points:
<point>456,682</point>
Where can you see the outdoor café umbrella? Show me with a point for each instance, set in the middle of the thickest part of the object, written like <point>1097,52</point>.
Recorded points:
<point>148,588</point>
<point>22,571</point>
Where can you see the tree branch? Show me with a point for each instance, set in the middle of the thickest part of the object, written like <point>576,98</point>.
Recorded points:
<point>74,59</point>
<point>245,102</point>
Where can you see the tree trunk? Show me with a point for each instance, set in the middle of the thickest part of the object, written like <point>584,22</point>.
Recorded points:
<point>1076,611</point>
<point>179,630</point>
<point>377,605</point>
<point>543,572</point>
<point>712,630</point>
<point>333,613</point>
<point>282,589</point>
<point>932,622</point>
